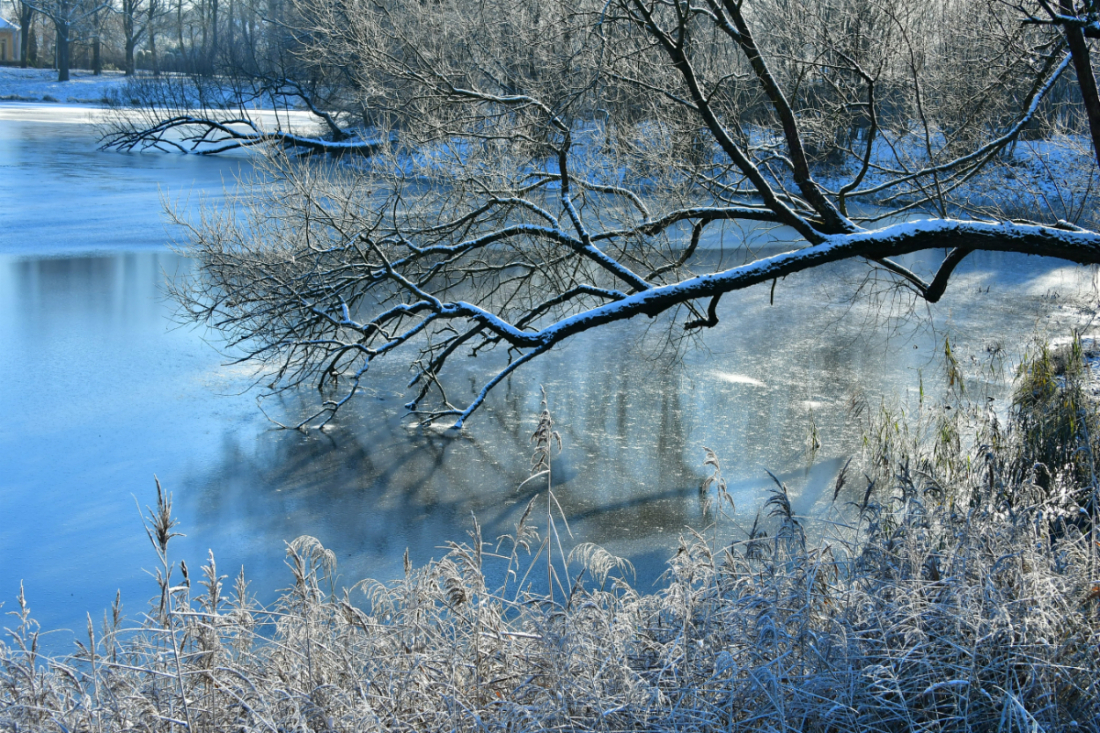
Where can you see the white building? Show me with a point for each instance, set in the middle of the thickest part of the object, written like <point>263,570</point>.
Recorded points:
<point>9,41</point>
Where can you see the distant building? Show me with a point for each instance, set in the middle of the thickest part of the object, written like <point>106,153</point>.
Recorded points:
<point>9,41</point>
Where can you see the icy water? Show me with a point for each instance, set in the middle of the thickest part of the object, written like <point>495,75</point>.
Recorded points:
<point>100,390</point>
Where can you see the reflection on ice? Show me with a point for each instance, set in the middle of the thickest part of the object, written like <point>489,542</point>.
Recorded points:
<point>738,379</point>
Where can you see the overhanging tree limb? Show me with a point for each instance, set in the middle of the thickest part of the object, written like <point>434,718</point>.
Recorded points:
<point>564,168</point>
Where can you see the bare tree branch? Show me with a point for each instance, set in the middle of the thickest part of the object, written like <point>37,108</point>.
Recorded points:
<point>550,170</point>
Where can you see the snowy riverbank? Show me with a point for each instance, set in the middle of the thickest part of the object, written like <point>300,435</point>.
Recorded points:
<point>41,85</point>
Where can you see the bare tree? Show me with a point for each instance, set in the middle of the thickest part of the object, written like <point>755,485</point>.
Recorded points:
<point>209,115</point>
<point>132,32</point>
<point>97,41</point>
<point>208,111</point>
<point>26,18</point>
<point>152,11</point>
<point>1076,21</point>
<point>552,168</point>
<point>67,16</point>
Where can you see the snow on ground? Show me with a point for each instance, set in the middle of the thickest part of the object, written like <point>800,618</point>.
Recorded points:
<point>1039,180</point>
<point>83,88</point>
<point>41,85</point>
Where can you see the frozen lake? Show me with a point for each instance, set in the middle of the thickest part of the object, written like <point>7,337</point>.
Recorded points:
<point>99,390</point>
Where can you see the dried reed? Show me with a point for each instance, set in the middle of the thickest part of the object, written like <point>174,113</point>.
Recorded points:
<point>962,595</point>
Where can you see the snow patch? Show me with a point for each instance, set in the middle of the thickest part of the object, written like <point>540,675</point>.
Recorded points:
<point>41,85</point>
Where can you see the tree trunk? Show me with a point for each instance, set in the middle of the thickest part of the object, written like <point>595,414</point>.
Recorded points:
<point>97,59</point>
<point>26,18</point>
<point>61,45</point>
<point>205,33</point>
<point>179,30</point>
<point>129,33</point>
<point>128,58</point>
<point>1086,80</point>
<point>151,30</point>
<point>32,46</point>
<point>214,32</point>
<point>229,29</point>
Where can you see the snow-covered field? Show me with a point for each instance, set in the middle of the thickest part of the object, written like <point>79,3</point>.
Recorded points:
<point>41,85</point>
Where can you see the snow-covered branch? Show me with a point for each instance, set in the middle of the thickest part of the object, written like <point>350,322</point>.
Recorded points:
<point>202,135</point>
<point>550,171</point>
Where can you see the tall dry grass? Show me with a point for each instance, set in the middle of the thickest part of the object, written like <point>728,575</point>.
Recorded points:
<point>957,590</point>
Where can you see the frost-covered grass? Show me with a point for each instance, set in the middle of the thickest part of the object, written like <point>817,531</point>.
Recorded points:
<point>41,85</point>
<point>958,589</point>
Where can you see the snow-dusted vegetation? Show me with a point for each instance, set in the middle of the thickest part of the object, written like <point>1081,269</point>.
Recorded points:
<point>955,592</point>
